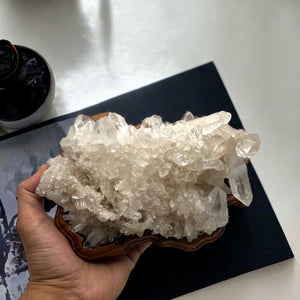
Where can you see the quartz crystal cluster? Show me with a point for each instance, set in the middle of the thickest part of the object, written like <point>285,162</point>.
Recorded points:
<point>114,179</point>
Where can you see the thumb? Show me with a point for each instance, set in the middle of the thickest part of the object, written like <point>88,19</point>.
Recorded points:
<point>32,182</point>
<point>26,191</point>
<point>30,205</point>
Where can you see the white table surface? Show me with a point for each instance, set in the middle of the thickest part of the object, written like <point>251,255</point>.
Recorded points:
<point>101,48</point>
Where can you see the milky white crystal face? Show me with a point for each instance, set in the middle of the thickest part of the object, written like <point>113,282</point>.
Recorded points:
<point>114,179</point>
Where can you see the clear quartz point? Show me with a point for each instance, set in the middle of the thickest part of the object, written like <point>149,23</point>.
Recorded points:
<point>168,178</point>
<point>152,122</point>
<point>119,122</point>
<point>239,181</point>
<point>188,116</point>
<point>248,146</point>
<point>213,121</point>
<point>217,198</point>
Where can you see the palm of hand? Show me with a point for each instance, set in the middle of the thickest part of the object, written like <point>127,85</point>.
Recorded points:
<point>51,260</point>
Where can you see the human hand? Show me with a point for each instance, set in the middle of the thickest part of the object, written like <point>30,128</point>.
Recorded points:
<point>56,272</point>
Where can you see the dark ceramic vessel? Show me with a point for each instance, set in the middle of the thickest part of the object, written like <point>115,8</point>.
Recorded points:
<point>26,86</point>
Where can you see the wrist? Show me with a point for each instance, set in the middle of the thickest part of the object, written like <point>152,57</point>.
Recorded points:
<point>38,291</point>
